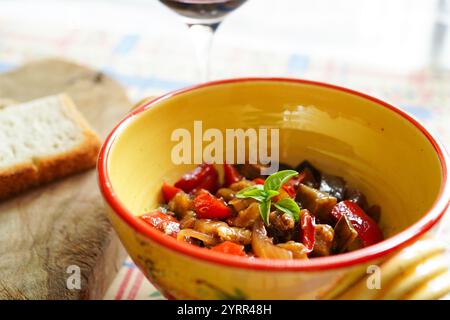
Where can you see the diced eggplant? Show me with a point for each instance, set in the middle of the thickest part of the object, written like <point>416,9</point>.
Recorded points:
<point>250,171</point>
<point>263,246</point>
<point>309,179</point>
<point>356,196</point>
<point>333,185</point>
<point>188,220</point>
<point>323,245</point>
<point>246,217</point>
<point>240,204</point>
<point>225,193</point>
<point>318,203</point>
<point>307,165</point>
<point>281,226</point>
<point>181,203</point>
<point>253,171</point>
<point>284,166</point>
<point>281,221</point>
<point>238,186</point>
<point>374,212</point>
<point>344,235</point>
<point>312,176</point>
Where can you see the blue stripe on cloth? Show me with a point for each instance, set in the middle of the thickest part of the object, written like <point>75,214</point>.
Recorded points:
<point>126,43</point>
<point>298,63</point>
<point>418,112</point>
<point>143,82</point>
<point>6,66</point>
<point>129,264</point>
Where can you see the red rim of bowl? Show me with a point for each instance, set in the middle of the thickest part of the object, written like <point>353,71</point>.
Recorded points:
<point>324,263</point>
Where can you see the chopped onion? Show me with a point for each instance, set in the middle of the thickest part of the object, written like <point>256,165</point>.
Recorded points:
<point>208,226</point>
<point>207,239</point>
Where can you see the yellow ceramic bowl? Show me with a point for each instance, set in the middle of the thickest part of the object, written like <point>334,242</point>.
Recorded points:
<point>375,146</point>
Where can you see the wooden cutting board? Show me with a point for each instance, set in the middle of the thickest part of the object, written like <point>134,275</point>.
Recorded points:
<point>47,231</point>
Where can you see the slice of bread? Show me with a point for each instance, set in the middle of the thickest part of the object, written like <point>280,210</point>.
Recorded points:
<point>43,140</point>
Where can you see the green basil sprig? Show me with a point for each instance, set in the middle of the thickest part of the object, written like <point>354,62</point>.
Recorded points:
<point>264,194</point>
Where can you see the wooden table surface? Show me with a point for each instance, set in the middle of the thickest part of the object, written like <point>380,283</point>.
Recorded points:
<point>49,233</point>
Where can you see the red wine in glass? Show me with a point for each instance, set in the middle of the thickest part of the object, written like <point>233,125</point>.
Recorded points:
<point>203,17</point>
<point>204,12</point>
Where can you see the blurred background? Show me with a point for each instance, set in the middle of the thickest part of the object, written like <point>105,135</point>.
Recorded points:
<point>397,50</point>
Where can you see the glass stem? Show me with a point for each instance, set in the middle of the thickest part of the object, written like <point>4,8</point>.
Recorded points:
<point>202,36</point>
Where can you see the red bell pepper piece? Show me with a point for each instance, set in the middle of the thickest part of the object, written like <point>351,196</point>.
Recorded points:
<point>368,230</point>
<point>231,175</point>
<point>295,181</point>
<point>163,222</point>
<point>205,176</point>
<point>209,183</point>
<point>298,179</point>
<point>258,181</point>
<point>291,186</point>
<point>290,190</point>
<point>208,206</point>
<point>230,248</point>
<point>169,191</point>
<point>307,230</point>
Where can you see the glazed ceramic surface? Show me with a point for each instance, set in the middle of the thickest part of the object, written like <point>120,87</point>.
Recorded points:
<point>374,146</point>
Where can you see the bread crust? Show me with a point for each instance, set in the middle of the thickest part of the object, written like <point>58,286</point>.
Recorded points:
<point>17,179</point>
<point>42,170</point>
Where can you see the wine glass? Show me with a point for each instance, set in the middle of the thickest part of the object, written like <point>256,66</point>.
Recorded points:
<point>203,17</point>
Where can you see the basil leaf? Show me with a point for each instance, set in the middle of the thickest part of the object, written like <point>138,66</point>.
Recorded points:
<point>289,206</point>
<point>264,210</point>
<point>276,180</point>
<point>256,197</point>
<point>255,192</point>
<point>271,193</point>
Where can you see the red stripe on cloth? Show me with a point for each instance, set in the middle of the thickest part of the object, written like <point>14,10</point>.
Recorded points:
<point>136,286</point>
<point>123,285</point>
